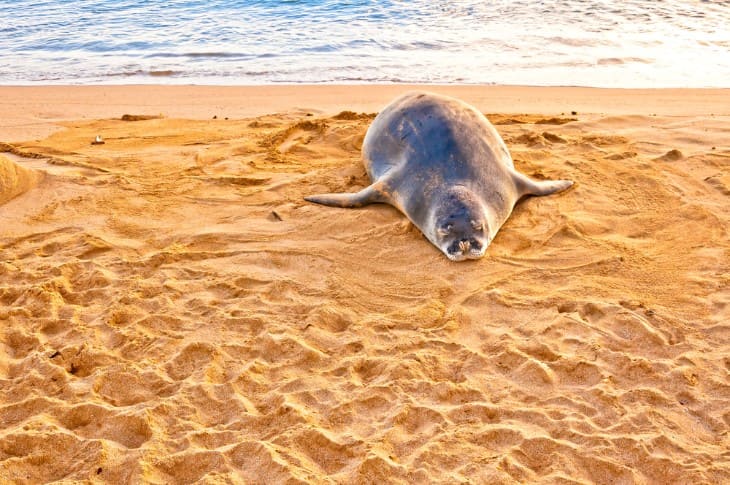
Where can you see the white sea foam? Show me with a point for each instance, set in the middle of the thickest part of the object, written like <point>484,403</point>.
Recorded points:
<point>634,43</point>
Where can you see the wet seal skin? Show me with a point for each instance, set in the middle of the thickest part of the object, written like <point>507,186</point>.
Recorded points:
<point>441,162</point>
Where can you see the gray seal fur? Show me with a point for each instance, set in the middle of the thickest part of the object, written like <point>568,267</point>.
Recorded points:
<point>441,162</point>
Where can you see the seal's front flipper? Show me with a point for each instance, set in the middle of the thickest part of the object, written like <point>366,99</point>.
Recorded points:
<point>369,195</point>
<point>527,186</point>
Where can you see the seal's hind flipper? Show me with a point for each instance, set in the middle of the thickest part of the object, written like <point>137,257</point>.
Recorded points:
<point>369,195</point>
<point>527,186</point>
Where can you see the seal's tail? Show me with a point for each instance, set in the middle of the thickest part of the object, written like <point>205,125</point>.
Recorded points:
<point>369,195</point>
<point>527,186</point>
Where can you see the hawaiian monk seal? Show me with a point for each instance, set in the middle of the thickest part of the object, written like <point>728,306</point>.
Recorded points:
<point>441,162</point>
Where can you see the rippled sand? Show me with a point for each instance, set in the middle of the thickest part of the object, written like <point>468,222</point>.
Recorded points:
<point>172,311</point>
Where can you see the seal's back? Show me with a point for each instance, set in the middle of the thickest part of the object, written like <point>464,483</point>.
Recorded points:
<point>423,129</point>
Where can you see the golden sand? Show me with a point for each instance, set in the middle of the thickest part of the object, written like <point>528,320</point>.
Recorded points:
<point>15,179</point>
<point>172,311</point>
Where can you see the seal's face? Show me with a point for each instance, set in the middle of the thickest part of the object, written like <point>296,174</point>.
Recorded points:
<point>461,239</point>
<point>460,226</point>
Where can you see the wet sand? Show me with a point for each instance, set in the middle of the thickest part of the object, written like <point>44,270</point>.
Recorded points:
<point>172,311</point>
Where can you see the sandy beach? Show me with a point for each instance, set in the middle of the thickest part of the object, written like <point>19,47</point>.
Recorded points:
<point>173,311</point>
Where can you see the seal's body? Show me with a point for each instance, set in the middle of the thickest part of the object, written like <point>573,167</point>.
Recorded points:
<point>440,162</point>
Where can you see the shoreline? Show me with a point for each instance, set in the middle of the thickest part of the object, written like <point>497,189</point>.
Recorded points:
<point>34,112</point>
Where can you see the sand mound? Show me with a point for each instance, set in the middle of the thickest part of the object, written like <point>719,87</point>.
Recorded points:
<point>177,313</point>
<point>15,180</point>
<point>671,156</point>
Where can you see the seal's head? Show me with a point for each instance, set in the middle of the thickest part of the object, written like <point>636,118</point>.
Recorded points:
<point>460,226</point>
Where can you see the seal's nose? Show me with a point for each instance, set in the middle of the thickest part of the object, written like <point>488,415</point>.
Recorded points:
<point>464,245</point>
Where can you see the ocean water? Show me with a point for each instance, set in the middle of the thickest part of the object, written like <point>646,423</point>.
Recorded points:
<point>632,43</point>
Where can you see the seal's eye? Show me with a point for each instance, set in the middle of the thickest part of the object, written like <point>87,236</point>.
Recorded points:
<point>477,225</point>
<point>445,230</point>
